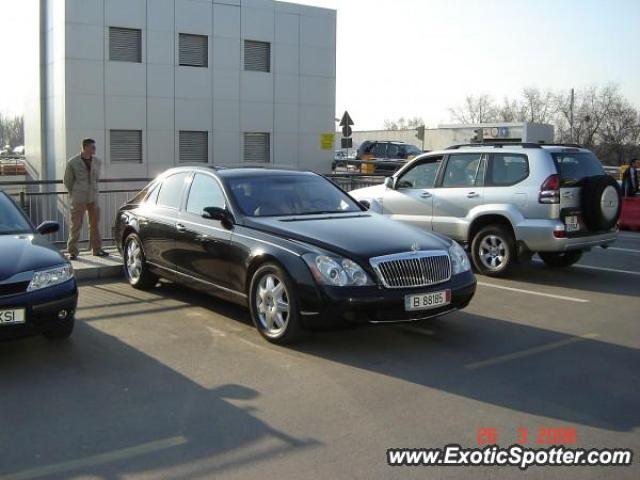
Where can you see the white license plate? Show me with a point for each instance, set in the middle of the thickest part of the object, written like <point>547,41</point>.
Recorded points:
<point>11,317</point>
<point>572,223</point>
<point>426,301</point>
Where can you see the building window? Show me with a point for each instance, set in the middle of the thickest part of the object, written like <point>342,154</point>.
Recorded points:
<point>194,147</point>
<point>194,50</point>
<point>257,56</point>
<point>125,44</point>
<point>126,146</point>
<point>257,147</point>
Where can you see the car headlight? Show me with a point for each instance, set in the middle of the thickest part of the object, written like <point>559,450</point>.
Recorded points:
<point>50,277</point>
<point>459,259</point>
<point>336,271</point>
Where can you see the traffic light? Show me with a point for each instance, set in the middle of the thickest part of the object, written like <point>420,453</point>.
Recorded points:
<point>477,136</point>
<point>420,132</point>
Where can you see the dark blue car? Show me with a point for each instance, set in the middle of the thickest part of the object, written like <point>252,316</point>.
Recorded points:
<point>38,290</point>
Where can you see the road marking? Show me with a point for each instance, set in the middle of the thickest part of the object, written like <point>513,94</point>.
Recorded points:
<point>603,269</point>
<point>531,292</point>
<point>529,351</point>
<point>95,460</point>
<point>618,249</point>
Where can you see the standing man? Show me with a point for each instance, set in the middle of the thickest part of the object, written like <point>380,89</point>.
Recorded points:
<point>81,181</point>
<point>630,179</point>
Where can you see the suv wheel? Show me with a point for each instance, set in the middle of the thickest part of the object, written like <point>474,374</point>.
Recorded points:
<point>493,251</point>
<point>274,308</point>
<point>560,259</point>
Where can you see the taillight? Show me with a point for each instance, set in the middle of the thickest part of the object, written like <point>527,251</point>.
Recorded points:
<point>550,190</point>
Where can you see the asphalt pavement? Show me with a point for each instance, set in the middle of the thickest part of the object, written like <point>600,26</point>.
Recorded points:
<point>174,384</point>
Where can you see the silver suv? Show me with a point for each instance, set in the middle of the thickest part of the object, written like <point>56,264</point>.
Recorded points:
<point>506,202</point>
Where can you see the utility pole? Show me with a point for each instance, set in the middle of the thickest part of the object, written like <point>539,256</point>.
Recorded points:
<point>571,114</point>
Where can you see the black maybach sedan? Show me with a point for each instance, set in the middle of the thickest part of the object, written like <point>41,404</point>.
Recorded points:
<point>292,246</point>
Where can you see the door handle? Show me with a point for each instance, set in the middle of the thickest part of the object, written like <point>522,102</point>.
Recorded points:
<point>181,228</point>
<point>426,195</point>
<point>473,195</point>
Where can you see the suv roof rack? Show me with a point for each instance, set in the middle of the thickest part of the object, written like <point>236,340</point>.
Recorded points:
<point>570,145</point>
<point>497,145</point>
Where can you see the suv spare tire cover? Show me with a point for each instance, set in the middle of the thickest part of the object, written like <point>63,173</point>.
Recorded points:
<point>600,201</point>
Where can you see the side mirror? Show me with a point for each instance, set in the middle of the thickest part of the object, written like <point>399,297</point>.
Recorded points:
<point>220,214</point>
<point>366,204</point>
<point>48,227</point>
<point>390,183</point>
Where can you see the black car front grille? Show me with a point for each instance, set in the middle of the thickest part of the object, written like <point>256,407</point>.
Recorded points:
<point>7,289</point>
<point>414,269</point>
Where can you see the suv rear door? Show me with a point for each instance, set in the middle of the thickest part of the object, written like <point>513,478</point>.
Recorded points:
<point>459,189</point>
<point>573,167</point>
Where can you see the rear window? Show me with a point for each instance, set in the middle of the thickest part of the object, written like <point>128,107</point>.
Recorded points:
<point>575,166</point>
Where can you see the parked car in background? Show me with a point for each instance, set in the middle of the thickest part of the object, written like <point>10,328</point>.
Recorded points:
<point>291,246</point>
<point>38,291</point>
<point>384,157</point>
<point>506,201</point>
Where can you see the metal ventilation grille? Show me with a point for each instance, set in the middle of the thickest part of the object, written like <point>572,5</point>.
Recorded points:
<point>194,147</point>
<point>125,44</point>
<point>194,50</point>
<point>257,56</point>
<point>257,148</point>
<point>419,269</point>
<point>126,146</point>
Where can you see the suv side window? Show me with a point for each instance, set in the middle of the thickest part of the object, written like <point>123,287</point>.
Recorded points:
<point>204,192</point>
<point>462,170</point>
<point>422,175</point>
<point>379,150</point>
<point>506,169</point>
<point>171,190</point>
<point>394,151</point>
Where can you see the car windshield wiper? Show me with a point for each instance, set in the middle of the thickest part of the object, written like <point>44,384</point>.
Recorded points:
<point>322,212</point>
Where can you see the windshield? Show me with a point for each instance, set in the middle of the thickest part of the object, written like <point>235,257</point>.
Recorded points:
<point>574,166</point>
<point>413,150</point>
<point>11,219</point>
<point>289,194</point>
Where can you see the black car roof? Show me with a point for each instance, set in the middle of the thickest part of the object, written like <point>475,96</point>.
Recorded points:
<point>235,172</point>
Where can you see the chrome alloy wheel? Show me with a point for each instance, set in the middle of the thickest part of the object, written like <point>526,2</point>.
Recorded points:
<point>134,260</point>
<point>493,252</point>
<point>272,305</point>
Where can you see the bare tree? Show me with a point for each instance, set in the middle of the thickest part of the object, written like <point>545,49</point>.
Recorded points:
<point>537,106</point>
<point>476,109</point>
<point>403,123</point>
<point>11,131</point>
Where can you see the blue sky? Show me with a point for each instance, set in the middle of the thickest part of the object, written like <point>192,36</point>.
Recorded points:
<point>420,57</point>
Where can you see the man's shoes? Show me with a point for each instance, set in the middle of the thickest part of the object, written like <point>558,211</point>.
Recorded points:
<point>73,256</point>
<point>101,253</point>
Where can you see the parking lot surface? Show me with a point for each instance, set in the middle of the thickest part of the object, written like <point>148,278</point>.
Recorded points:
<point>171,383</point>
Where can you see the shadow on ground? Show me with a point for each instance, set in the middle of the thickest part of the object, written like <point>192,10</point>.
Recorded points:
<point>94,405</point>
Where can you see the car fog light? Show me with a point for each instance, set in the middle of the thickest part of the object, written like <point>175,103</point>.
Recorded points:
<point>62,314</point>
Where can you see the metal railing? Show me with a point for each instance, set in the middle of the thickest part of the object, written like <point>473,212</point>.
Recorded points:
<point>47,200</point>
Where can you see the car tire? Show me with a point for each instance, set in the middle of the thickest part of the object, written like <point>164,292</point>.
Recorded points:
<point>560,259</point>
<point>493,251</point>
<point>274,305</point>
<point>136,269</point>
<point>61,331</point>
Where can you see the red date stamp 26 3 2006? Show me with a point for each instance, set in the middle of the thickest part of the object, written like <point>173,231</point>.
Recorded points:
<point>523,436</point>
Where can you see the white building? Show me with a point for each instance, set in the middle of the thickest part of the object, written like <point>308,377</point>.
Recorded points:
<point>446,135</point>
<point>162,82</point>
